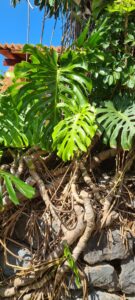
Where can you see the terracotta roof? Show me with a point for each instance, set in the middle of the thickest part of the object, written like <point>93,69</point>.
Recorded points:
<point>18,47</point>
<point>12,47</point>
<point>13,53</point>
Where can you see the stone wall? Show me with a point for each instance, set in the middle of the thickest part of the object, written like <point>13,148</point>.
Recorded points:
<point>108,262</point>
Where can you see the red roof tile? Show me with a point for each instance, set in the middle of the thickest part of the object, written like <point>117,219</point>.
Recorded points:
<point>11,47</point>
<point>14,54</point>
<point>18,47</point>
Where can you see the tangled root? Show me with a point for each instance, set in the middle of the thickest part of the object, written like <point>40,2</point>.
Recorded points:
<point>78,202</point>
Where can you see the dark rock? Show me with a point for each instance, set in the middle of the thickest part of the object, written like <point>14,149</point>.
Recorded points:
<point>96,252</point>
<point>95,295</point>
<point>22,252</point>
<point>99,295</point>
<point>21,232</point>
<point>127,276</point>
<point>103,276</point>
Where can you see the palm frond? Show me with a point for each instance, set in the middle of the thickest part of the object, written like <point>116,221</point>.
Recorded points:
<point>14,2</point>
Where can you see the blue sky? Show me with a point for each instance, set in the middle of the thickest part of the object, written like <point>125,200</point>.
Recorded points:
<point>13,26</point>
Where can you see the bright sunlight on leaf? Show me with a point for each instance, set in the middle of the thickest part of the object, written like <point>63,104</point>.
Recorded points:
<point>13,182</point>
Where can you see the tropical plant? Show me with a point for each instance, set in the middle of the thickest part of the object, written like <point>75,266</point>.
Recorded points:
<point>11,124</point>
<point>10,181</point>
<point>57,88</point>
<point>62,90</point>
<point>72,264</point>
<point>122,6</point>
<point>75,132</point>
<point>118,124</point>
<point>59,102</point>
<point>75,14</point>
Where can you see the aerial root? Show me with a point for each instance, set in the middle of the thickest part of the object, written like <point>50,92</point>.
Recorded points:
<point>78,198</point>
<point>89,219</point>
<point>102,156</point>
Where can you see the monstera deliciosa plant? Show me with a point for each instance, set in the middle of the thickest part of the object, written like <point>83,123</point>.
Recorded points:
<point>62,100</point>
<point>55,96</point>
<point>56,105</point>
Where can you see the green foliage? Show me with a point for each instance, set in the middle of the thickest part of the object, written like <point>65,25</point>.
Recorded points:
<point>53,106</point>
<point>96,38</point>
<point>56,6</point>
<point>74,133</point>
<point>11,128</point>
<point>51,2</point>
<point>11,181</point>
<point>117,125</point>
<point>51,80</point>
<point>122,6</point>
<point>53,7</point>
<point>98,6</point>
<point>72,264</point>
<point>15,2</point>
<point>110,53</point>
<point>81,39</point>
<point>114,80</point>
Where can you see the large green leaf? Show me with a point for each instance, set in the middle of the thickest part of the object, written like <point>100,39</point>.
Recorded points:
<point>117,124</point>
<point>50,80</point>
<point>74,133</point>
<point>11,125</point>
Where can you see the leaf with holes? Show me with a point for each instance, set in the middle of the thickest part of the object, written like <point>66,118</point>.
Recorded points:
<point>50,79</point>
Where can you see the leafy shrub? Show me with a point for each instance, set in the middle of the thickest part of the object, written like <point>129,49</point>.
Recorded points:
<point>64,99</point>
